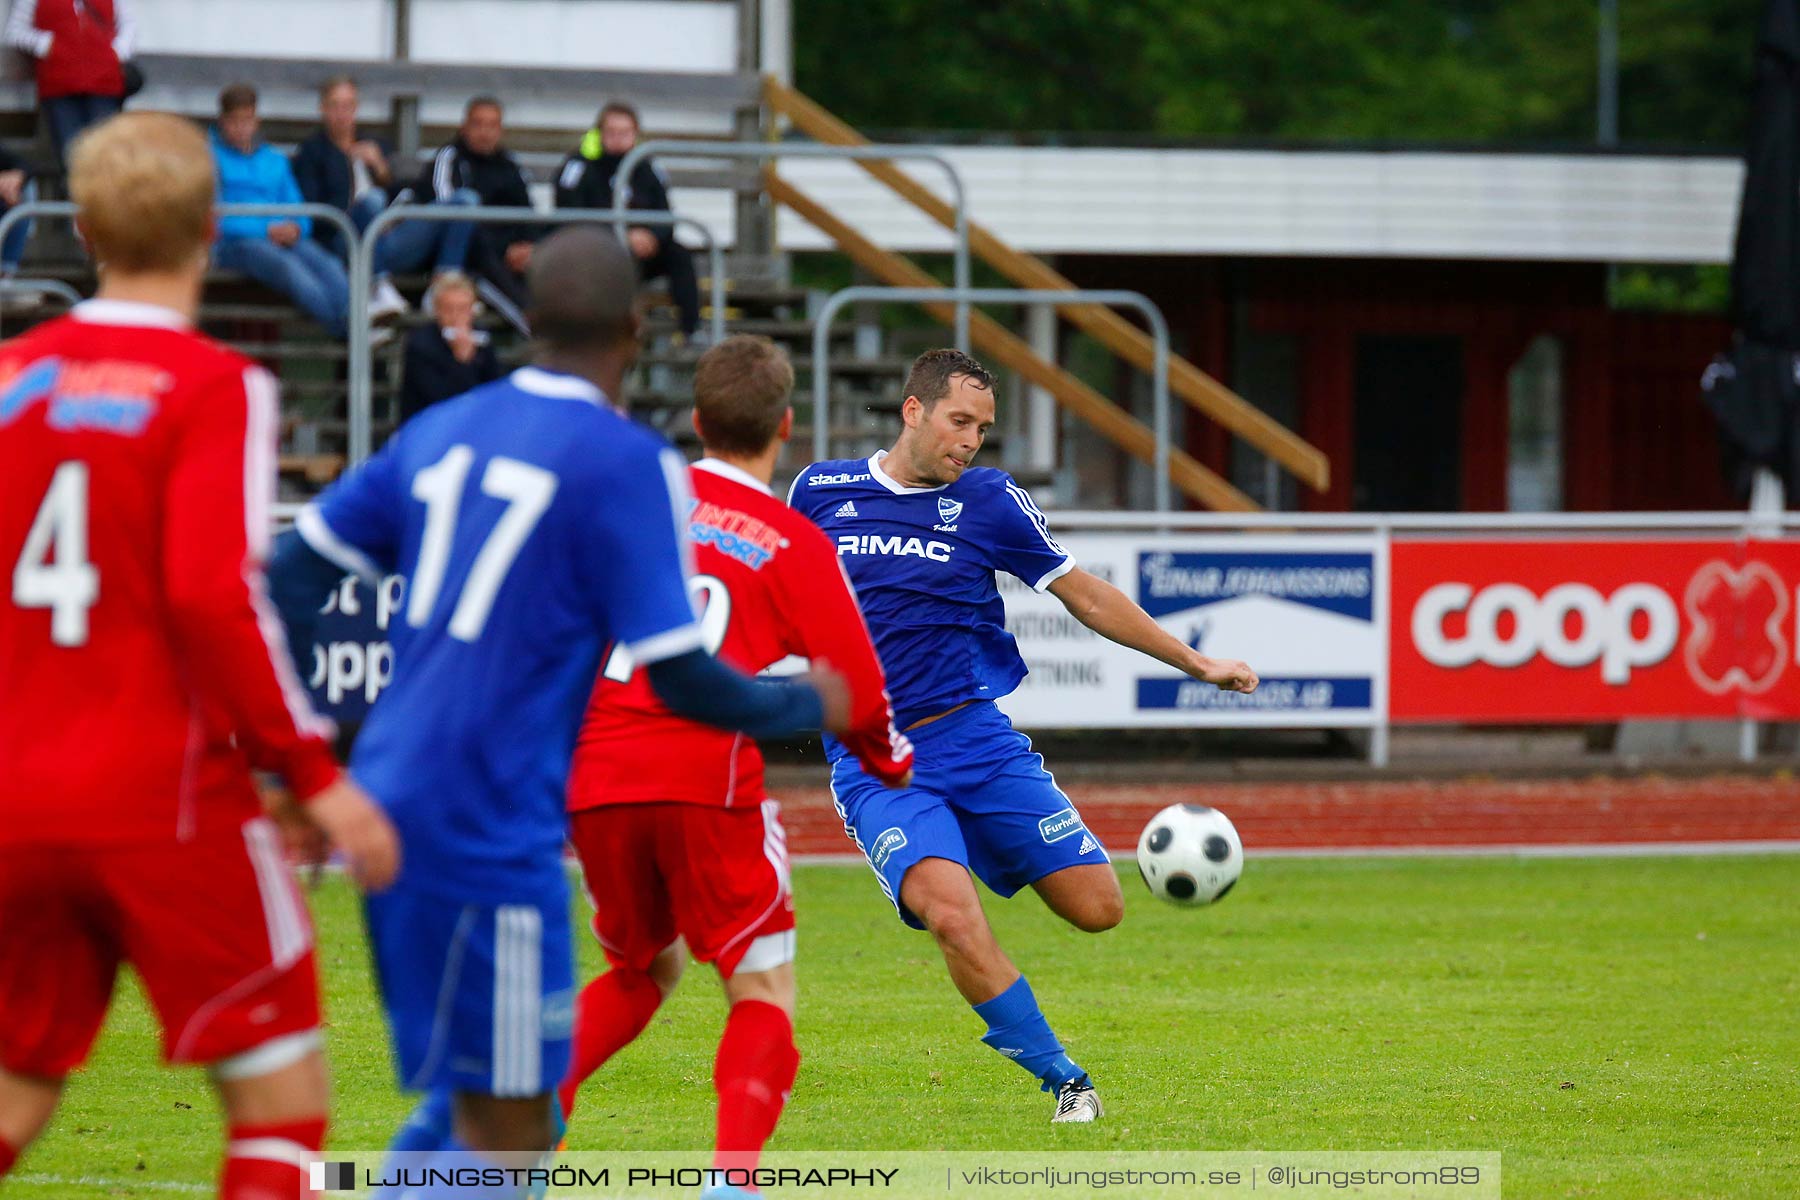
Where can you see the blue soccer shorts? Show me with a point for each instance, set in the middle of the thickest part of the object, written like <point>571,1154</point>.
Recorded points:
<point>980,797</point>
<point>479,997</point>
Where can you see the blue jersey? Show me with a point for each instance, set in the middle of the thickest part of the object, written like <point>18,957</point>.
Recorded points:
<point>923,563</point>
<point>534,524</point>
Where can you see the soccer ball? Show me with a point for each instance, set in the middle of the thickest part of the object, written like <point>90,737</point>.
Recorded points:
<point>1190,855</point>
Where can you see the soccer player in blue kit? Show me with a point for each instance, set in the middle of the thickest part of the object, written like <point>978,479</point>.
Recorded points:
<point>921,534</point>
<point>536,525</point>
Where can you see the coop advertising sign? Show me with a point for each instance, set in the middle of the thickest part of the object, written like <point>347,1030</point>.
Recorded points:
<point>1594,630</point>
<point>351,662</point>
<point>1308,613</point>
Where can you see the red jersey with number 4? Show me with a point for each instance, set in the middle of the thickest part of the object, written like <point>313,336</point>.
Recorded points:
<point>771,588</point>
<point>143,671</point>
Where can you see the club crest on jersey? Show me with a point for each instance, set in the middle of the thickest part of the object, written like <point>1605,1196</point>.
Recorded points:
<point>948,509</point>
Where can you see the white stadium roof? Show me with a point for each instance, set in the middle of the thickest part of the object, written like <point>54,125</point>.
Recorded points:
<point>1313,203</point>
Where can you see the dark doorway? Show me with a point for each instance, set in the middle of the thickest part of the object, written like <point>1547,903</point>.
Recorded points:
<point>1409,400</point>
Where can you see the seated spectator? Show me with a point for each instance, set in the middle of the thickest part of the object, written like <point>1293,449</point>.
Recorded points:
<point>334,166</point>
<point>450,356</point>
<point>16,187</point>
<point>478,162</point>
<point>80,48</point>
<point>587,180</point>
<point>276,251</point>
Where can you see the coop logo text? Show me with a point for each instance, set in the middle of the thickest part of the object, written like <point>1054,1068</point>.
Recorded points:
<point>1736,636</point>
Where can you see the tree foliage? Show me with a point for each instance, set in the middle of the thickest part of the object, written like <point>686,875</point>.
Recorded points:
<point>1457,71</point>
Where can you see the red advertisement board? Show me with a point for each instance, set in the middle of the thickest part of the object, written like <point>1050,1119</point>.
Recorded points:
<point>1593,630</point>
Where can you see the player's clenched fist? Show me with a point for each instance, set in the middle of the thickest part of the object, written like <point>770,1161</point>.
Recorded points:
<point>360,831</point>
<point>1227,674</point>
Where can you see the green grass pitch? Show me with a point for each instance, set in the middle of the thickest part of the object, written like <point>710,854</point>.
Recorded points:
<point>1616,1027</point>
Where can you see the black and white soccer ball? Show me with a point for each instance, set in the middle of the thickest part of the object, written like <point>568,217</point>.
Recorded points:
<point>1190,855</point>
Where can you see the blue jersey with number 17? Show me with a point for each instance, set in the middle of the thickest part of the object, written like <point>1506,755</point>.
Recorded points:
<point>922,560</point>
<point>534,525</point>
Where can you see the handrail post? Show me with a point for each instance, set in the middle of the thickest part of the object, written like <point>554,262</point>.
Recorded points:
<point>922,295</point>
<point>960,268</point>
<point>362,268</point>
<point>357,318</point>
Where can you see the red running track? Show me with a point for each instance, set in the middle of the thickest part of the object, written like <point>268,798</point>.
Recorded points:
<point>1439,813</point>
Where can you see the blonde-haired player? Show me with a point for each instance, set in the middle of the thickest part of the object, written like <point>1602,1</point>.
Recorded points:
<point>146,676</point>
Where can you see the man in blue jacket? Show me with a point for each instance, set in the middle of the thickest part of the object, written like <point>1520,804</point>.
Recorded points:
<point>276,251</point>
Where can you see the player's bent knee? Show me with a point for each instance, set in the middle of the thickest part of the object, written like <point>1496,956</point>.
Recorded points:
<point>284,1079</point>
<point>963,926</point>
<point>774,986</point>
<point>666,969</point>
<point>27,1102</point>
<point>1099,913</point>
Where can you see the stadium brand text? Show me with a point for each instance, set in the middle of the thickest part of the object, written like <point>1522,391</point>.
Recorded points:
<point>870,543</point>
<point>890,840</point>
<point>1164,580</point>
<point>1060,825</point>
<point>1572,625</point>
<point>826,480</point>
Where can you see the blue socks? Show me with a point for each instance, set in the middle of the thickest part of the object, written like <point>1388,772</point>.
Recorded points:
<point>1017,1029</point>
<point>427,1129</point>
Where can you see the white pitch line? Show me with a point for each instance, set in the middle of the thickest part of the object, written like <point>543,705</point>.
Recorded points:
<point>1508,850</point>
<point>149,1185</point>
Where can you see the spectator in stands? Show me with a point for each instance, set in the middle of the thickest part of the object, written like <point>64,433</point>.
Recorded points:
<point>276,251</point>
<point>450,356</point>
<point>587,180</point>
<point>16,187</point>
<point>81,48</point>
<point>478,162</point>
<point>334,166</point>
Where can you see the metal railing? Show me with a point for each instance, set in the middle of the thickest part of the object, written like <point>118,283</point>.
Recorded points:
<point>741,150</point>
<point>24,286</point>
<point>65,210</point>
<point>1159,329</point>
<point>362,267</point>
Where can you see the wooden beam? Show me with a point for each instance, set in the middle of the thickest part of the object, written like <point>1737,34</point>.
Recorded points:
<point>1199,390</point>
<point>999,345</point>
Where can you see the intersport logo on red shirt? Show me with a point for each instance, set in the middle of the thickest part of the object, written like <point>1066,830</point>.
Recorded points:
<point>1562,630</point>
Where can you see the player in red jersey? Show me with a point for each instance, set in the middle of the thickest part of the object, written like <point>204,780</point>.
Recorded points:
<point>145,676</point>
<point>682,848</point>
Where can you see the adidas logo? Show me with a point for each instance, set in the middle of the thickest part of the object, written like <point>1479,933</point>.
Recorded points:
<point>1008,1051</point>
<point>846,509</point>
<point>1088,846</point>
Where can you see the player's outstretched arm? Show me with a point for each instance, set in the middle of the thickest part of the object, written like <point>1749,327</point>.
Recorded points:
<point>699,687</point>
<point>826,625</point>
<point>1110,613</point>
<point>301,580</point>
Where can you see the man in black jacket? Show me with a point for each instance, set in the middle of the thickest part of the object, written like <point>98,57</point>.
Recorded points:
<point>499,255</point>
<point>587,179</point>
